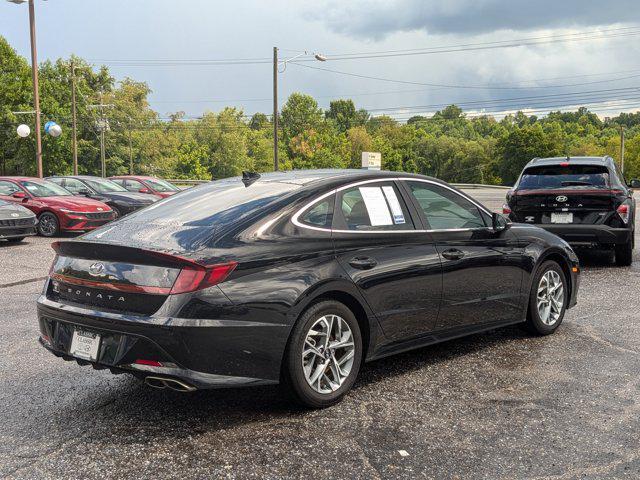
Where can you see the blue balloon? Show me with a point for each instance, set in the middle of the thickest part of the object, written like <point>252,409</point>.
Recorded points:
<point>48,125</point>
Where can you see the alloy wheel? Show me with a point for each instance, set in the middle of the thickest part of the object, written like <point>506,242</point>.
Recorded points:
<point>550,298</point>
<point>328,354</point>
<point>48,225</point>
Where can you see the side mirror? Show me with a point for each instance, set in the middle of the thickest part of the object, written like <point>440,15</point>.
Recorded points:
<point>499,222</point>
<point>144,190</point>
<point>635,183</point>
<point>20,195</point>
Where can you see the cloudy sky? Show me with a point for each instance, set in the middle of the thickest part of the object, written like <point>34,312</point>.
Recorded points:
<point>399,57</point>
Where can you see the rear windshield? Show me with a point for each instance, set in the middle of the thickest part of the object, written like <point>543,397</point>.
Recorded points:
<point>189,219</point>
<point>558,176</point>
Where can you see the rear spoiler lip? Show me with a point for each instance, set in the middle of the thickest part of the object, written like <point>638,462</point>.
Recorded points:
<point>559,191</point>
<point>61,247</point>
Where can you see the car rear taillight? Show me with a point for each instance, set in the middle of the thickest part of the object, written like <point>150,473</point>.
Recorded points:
<point>623,211</point>
<point>195,277</point>
<point>506,210</point>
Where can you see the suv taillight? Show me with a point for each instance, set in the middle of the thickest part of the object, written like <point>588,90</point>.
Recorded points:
<point>506,210</point>
<point>623,211</point>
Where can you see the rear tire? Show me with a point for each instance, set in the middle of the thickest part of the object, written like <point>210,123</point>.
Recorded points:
<point>548,299</point>
<point>317,373</point>
<point>48,225</point>
<point>624,253</point>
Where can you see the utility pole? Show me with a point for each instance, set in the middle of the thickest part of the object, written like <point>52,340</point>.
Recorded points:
<point>36,89</point>
<point>130,151</point>
<point>275,109</point>
<point>74,138</point>
<point>622,149</point>
<point>103,125</point>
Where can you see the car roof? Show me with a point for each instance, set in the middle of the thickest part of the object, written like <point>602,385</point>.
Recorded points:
<point>606,160</point>
<point>329,177</point>
<point>18,179</point>
<point>143,177</point>
<point>79,177</point>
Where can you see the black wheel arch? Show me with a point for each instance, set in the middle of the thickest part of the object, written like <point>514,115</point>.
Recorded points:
<point>345,292</point>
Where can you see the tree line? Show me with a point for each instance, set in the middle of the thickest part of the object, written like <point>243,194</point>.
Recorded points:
<point>448,145</point>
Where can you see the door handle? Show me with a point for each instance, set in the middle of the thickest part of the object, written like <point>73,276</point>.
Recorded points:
<point>363,263</point>
<point>453,254</point>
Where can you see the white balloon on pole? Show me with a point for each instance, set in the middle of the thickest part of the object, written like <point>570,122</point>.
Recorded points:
<point>55,130</point>
<point>23,130</point>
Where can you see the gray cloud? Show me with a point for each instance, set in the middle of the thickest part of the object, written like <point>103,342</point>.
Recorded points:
<point>376,19</point>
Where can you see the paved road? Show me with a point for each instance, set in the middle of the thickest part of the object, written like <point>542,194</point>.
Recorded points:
<point>497,405</point>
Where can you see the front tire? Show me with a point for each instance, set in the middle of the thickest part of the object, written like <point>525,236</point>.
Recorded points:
<point>548,299</point>
<point>48,225</point>
<point>323,356</point>
<point>624,253</point>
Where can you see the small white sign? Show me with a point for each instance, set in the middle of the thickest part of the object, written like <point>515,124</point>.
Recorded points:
<point>396,209</point>
<point>371,160</point>
<point>376,206</point>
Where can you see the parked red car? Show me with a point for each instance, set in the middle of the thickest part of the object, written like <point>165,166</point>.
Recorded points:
<point>57,209</point>
<point>142,184</point>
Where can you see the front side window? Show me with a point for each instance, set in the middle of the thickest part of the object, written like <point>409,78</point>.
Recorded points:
<point>444,209</point>
<point>375,206</point>
<point>44,189</point>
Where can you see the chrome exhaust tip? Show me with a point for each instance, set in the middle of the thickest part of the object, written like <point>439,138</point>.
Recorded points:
<point>172,383</point>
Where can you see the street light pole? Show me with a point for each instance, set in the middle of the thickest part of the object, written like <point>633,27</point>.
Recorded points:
<point>275,109</point>
<point>74,138</point>
<point>36,89</point>
<point>318,57</point>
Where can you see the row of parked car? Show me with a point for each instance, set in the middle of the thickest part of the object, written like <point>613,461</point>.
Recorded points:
<point>79,203</point>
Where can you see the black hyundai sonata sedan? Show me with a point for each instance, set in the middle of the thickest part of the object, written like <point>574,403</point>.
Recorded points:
<point>297,278</point>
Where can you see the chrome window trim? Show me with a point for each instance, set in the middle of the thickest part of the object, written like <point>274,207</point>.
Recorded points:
<point>295,219</point>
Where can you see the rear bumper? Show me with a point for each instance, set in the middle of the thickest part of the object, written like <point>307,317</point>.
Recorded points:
<point>589,235</point>
<point>200,353</point>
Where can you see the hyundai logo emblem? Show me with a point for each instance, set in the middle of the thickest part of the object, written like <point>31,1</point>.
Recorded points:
<point>561,198</point>
<point>96,269</point>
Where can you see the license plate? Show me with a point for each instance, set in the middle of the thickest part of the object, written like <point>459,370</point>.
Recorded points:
<point>85,345</point>
<point>562,217</point>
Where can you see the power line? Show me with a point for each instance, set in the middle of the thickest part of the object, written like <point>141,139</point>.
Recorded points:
<point>529,41</point>
<point>390,92</point>
<point>444,85</point>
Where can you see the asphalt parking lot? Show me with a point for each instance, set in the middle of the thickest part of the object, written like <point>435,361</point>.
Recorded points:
<point>496,405</point>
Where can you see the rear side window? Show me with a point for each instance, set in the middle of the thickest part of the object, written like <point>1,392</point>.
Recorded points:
<point>320,214</point>
<point>558,176</point>
<point>376,206</point>
<point>445,209</point>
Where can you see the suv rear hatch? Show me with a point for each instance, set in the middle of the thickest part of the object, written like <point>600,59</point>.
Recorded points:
<point>563,193</point>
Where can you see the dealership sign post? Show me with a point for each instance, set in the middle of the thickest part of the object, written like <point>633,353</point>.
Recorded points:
<point>371,160</point>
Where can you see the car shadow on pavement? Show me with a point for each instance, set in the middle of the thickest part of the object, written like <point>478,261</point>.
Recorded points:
<point>164,413</point>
